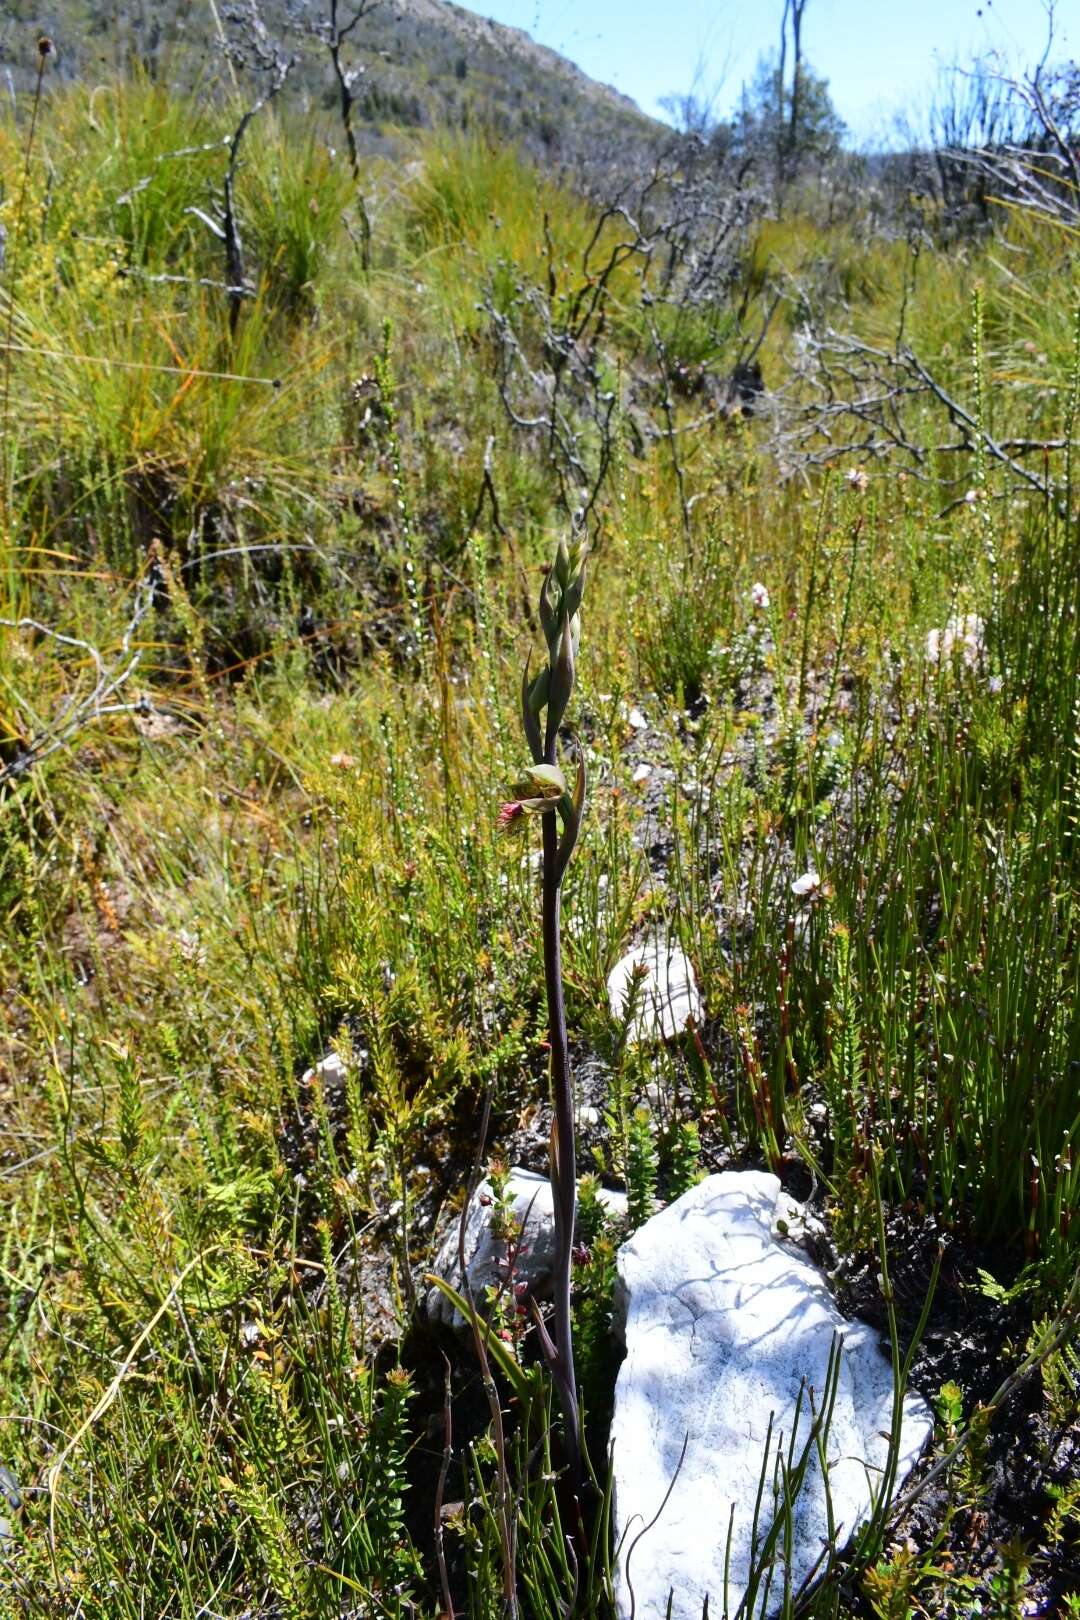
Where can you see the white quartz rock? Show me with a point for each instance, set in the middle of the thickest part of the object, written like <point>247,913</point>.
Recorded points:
<point>330,1070</point>
<point>723,1322</point>
<point>486,1255</point>
<point>670,994</point>
<point>10,1502</point>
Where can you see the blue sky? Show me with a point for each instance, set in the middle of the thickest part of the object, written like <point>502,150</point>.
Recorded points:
<point>880,56</point>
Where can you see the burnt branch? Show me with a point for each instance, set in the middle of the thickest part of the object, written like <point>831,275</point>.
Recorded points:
<point>251,50</point>
<point>853,400</point>
<point>104,695</point>
<point>334,34</point>
<point>662,266</point>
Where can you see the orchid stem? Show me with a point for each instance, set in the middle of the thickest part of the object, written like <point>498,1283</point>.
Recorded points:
<point>563,1156</point>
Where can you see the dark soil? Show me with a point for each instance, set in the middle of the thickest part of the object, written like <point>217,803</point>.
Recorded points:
<point>976,1342</point>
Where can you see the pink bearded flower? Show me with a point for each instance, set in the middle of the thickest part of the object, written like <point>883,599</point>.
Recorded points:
<point>511,817</point>
<point>540,790</point>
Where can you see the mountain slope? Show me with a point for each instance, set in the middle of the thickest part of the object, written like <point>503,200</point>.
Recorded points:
<point>416,63</point>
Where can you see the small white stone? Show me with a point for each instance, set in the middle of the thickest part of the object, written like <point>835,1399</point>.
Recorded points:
<point>637,720</point>
<point>642,773</point>
<point>10,1499</point>
<point>330,1070</point>
<point>529,1197</point>
<point>668,998</point>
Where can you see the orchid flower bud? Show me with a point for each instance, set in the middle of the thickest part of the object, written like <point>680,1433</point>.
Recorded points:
<point>562,682</point>
<point>530,711</point>
<point>543,788</point>
<point>574,592</point>
<point>549,606</point>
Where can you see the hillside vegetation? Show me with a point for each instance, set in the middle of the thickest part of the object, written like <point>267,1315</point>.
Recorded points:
<point>269,562</point>
<point>408,64</point>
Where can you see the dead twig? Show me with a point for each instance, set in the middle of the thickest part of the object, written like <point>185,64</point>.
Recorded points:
<point>250,47</point>
<point>77,712</point>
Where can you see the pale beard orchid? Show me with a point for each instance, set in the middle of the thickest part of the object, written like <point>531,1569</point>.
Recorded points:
<point>541,791</point>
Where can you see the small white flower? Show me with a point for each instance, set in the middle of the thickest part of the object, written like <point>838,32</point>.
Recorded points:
<point>191,948</point>
<point>971,498</point>
<point>857,478</point>
<point>759,595</point>
<point>808,884</point>
<point>964,631</point>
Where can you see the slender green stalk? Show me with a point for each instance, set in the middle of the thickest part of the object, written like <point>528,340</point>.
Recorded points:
<point>44,52</point>
<point>563,1148</point>
<point>544,791</point>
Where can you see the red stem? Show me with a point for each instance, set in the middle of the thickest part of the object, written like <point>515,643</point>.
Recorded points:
<point>563,1157</point>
